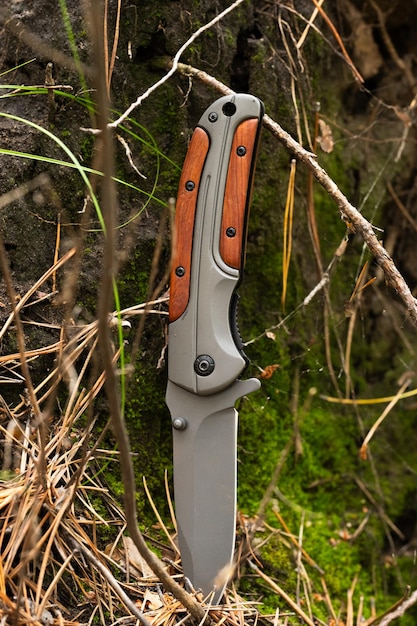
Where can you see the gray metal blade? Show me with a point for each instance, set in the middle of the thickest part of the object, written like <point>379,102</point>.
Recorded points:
<point>205,433</point>
<point>204,484</point>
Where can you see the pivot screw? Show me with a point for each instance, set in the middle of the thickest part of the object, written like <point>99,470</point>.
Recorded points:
<point>231,232</point>
<point>180,271</point>
<point>179,423</point>
<point>189,185</point>
<point>204,365</point>
<point>241,151</point>
<point>212,117</point>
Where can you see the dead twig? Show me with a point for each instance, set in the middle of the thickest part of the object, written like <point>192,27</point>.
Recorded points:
<point>105,572</point>
<point>40,418</point>
<point>296,543</point>
<point>372,431</point>
<point>309,25</point>
<point>21,303</point>
<point>406,213</point>
<point>395,611</point>
<point>391,48</point>
<point>36,43</point>
<point>354,220</point>
<point>56,253</point>
<point>336,35</point>
<point>174,64</point>
<point>109,65</point>
<point>379,508</point>
<point>109,208</point>
<point>283,594</point>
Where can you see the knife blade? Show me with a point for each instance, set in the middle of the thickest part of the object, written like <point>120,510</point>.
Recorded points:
<point>205,353</point>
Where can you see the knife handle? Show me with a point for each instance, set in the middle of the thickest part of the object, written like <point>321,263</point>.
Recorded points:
<point>205,351</point>
<point>235,214</point>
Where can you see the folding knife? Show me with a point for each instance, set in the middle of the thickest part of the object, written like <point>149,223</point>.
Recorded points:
<point>205,355</point>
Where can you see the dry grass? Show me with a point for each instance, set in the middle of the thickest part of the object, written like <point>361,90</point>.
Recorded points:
<point>55,567</point>
<point>50,490</point>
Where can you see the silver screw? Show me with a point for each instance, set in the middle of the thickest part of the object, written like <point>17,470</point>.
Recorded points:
<point>179,423</point>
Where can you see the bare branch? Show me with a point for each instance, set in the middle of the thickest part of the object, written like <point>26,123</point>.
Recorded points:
<point>109,206</point>
<point>174,64</point>
<point>111,580</point>
<point>348,213</point>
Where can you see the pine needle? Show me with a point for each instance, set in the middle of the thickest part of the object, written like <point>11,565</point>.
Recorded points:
<point>387,410</point>
<point>158,517</point>
<point>288,223</point>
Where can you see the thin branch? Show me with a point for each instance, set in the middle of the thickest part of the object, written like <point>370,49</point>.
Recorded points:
<point>174,64</point>
<point>18,305</point>
<point>372,431</point>
<point>348,213</point>
<point>308,26</point>
<point>339,41</point>
<point>115,43</point>
<point>20,335</point>
<point>105,572</point>
<point>391,48</point>
<point>406,213</point>
<point>109,206</point>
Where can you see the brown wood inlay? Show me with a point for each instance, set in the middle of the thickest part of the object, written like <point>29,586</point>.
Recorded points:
<point>184,223</point>
<point>237,194</point>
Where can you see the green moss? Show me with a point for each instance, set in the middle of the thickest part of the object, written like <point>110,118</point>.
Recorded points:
<point>318,486</point>
<point>319,489</point>
<point>86,148</point>
<point>149,427</point>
